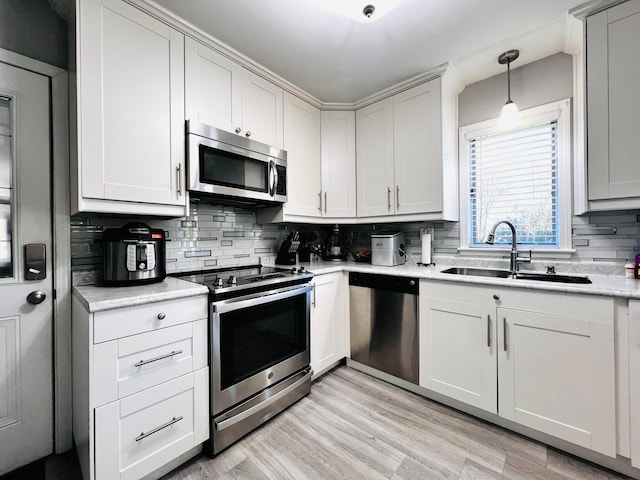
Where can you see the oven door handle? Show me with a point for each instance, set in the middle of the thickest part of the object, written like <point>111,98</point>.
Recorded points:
<point>230,421</point>
<point>258,299</point>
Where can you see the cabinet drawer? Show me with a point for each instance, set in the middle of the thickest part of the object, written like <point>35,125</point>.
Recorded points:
<point>131,364</point>
<point>122,322</point>
<point>140,433</point>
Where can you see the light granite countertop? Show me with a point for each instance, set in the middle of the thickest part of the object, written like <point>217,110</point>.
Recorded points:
<point>96,298</point>
<point>607,285</point>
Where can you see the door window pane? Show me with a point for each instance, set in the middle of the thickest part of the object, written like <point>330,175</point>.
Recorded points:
<point>6,256</point>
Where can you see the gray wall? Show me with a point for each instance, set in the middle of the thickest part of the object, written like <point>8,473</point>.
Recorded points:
<point>536,83</point>
<point>32,28</point>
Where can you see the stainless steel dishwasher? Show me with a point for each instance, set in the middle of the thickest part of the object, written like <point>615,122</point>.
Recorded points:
<point>384,323</point>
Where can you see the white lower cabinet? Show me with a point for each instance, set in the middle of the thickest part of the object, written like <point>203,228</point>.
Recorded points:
<point>140,433</point>
<point>328,322</point>
<point>541,359</point>
<point>140,386</point>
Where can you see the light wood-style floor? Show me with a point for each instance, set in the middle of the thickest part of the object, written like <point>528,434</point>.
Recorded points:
<point>352,426</point>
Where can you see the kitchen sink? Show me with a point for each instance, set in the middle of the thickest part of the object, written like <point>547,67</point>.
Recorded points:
<point>541,277</point>
<point>478,272</point>
<point>552,277</point>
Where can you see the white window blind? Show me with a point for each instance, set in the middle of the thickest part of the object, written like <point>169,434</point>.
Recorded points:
<point>514,176</point>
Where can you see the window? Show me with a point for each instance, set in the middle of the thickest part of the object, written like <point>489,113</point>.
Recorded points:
<point>521,175</point>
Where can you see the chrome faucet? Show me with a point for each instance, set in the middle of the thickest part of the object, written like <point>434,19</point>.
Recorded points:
<point>514,259</point>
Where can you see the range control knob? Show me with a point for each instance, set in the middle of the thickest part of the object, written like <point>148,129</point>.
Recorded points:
<point>302,270</point>
<point>219,282</point>
<point>294,270</point>
<point>232,280</point>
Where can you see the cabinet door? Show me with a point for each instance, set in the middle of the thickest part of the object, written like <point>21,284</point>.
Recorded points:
<point>262,110</point>
<point>417,140</point>
<point>328,322</point>
<point>302,143</point>
<point>374,159</point>
<point>556,375</point>
<point>338,164</point>
<point>613,102</point>
<point>458,351</point>
<point>212,87</point>
<point>131,105</point>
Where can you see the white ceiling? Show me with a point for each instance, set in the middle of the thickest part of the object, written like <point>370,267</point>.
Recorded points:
<point>339,60</point>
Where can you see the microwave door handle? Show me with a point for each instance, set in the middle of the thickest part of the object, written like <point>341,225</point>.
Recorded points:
<point>258,299</point>
<point>273,178</point>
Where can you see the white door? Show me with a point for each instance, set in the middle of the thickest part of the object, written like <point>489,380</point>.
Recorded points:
<point>26,405</point>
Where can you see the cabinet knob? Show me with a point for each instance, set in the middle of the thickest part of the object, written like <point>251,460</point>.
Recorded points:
<point>248,134</point>
<point>238,129</point>
<point>161,316</point>
<point>496,296</point>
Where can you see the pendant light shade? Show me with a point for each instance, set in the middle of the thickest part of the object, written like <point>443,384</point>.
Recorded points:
<point>510,115</point>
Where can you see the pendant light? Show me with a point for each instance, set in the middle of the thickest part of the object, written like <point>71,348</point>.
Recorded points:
<point>510,115</point>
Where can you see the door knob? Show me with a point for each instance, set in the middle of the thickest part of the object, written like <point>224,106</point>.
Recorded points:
<point>36,297</point>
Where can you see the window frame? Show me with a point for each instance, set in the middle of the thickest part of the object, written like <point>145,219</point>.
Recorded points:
<point>559,111</point>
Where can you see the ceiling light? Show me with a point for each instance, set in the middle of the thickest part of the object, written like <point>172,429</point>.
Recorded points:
<point>359,10</point>
<point>510,115</point>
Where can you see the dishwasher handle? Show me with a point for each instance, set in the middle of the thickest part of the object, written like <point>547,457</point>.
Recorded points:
<point>390,283</point>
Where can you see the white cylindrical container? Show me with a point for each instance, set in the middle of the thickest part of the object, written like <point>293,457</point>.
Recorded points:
<point>426,248</point>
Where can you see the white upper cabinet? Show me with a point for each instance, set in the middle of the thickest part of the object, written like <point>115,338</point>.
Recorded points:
<point>417,147</point>
<point>225,95</point>
<point>338,158</point>
<point>302,143</point>
<point>321,165</point>
<point>210,80</point>
<point>407,153</point>
<point>130,112</point>
<point>613,103</point>
<point>262,110</point>
<point>374,159</point>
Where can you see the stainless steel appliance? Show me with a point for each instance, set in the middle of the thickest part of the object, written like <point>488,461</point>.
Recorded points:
<point>259,346</point>
<point>384,323</point>
<point>234,169</point>
<point>387,249</point>
<point>133,254</point>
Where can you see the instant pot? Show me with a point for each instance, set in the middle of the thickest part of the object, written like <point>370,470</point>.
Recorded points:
<point>134,254</point>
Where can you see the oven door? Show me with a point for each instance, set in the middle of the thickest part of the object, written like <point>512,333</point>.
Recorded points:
<point>257,341</point>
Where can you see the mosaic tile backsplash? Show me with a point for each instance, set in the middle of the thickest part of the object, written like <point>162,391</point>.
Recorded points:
<point>215,236</point>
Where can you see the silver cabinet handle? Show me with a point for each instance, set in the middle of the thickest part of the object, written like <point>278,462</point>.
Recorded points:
<point>320,201</point>
<point>248,134</point>
<point>179,179</point>
<point>389,198</point>
<point>157,429</point>
<point>155,359</point>
<point>238,129</point>
<point>504,332</point>
<point>398,197</point>
<point>489,331</point>
<point>325,202</point>
<point>313,287</point>
<point>161,316</point>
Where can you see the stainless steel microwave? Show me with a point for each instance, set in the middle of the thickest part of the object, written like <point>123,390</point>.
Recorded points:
<point>235,168</point>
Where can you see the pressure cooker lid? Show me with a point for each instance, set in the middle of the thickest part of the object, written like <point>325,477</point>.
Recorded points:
<point>133,231</point>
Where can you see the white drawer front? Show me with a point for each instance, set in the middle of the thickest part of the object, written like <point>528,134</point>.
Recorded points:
<point>141,433</point>
<point>131,364</point>
<point>122,322</point>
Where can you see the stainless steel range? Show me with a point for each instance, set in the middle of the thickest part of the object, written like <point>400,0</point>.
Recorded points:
<point>258,345</point>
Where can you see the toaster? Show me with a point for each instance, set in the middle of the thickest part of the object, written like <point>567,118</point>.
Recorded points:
<point>387,249</point>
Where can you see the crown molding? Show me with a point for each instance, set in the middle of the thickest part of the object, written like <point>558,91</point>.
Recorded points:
<point>591,7</point>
